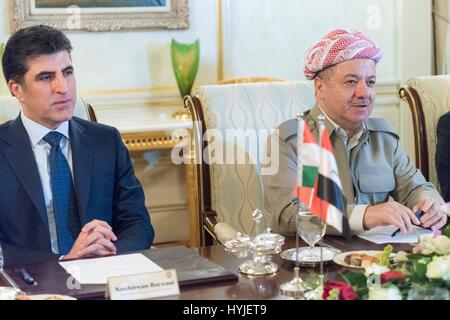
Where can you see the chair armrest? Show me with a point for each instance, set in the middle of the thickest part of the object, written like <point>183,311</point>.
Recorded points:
<point>209,222</point>
<point>224,232</point>
<point>220,231</point>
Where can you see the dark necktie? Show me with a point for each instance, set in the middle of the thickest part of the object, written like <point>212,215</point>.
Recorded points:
<point>64,202</point>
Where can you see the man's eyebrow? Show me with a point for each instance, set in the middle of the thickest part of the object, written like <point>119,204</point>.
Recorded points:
<point>68,68</point>
<point>350,75</point>
<point>52,73</point>
<point>45,73</point>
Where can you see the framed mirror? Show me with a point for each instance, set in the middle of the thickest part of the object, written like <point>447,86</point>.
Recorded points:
<point>101,15</point>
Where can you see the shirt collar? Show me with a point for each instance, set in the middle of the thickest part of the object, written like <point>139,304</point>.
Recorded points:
<point>37,131</point>
<point>341,131</point>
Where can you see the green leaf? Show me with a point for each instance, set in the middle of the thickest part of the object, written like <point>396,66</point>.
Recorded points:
<point>313,281</point>
<point>333,294</point>
<point>419,272</point>
<point>446,231</point>
<point>312,273</point>
<point>415,256</point>
<point>356,279</point>
<point>385,256</point>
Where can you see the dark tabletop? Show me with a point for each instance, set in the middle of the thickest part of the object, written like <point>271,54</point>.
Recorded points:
<point>203,273</point>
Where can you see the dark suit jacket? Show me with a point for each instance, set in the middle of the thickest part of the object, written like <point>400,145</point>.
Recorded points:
<point>443,155</point>
<point>105,184</point>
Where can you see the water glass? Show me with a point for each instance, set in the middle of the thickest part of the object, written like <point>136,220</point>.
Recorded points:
<point>311,229</point>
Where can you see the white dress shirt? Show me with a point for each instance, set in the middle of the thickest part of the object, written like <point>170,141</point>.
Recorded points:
<point>41,150</point>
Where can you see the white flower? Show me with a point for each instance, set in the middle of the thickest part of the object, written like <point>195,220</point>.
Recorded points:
<point>425,246</point>
<point>315,294</point>
<point>390,293</point>
<point>401,256</point>
<point>429,244</point>
<point>441,245</point>
<point>439,268</point>
<point>375,268</point>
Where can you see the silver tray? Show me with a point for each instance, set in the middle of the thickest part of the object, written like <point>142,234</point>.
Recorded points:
<point>305,259</point>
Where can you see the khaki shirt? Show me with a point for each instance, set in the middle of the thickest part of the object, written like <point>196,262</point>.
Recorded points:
<point>378,169</point>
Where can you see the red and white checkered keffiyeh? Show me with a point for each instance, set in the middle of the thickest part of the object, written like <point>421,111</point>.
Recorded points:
<point>338,46</point>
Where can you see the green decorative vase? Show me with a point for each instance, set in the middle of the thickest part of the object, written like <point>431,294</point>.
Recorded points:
<point>3,86</point>
<point>185,61</point>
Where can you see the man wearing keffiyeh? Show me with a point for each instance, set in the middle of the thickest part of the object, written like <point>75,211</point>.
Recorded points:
<point>381,184</point>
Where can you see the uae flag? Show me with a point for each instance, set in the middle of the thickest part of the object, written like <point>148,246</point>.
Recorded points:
<point>330,203</point>
<point>307,164</point>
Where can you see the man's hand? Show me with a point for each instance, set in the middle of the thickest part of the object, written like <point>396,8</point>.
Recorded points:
<point>94,240</point>
<point>390,213</point>
<point>100,226</point>
<point>435,216</point>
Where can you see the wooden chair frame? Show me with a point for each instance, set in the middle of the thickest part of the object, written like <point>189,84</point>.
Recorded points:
<point>411,96</point>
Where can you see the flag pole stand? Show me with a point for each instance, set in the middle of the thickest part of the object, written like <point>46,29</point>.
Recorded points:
<point>321,119</point>
<point>295,288</point>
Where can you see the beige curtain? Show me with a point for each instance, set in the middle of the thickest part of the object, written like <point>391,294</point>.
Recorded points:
<point>441,14</point>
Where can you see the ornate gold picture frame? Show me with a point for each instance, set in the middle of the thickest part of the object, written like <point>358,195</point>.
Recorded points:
<point>101,15</point>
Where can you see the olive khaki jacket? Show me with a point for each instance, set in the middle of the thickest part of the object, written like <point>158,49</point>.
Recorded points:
<point>378,169</point>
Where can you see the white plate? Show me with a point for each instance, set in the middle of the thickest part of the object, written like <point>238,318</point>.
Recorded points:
<point>50,297</point>
<point>340,258</point>
<point>305,259</point>
<point>8,293</point>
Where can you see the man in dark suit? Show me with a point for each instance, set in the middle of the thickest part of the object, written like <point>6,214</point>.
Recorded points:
<point>67,185</point>
<point>443,155</point>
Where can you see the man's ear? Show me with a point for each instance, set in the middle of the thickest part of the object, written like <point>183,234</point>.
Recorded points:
<point>318,87</point>
<point>16,89</point>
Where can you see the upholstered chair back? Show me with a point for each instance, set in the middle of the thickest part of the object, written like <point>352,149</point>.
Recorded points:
<point>236,120</point>
<point>10,108</point>
<point>428,98</point>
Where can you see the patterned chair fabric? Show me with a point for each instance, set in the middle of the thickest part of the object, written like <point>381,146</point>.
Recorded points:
<point>428,98</point>
<point>239,117</point>
<point>10,108</point>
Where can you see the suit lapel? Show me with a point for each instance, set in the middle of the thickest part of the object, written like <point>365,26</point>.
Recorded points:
<point>21,158</point>
<point>82,157</point>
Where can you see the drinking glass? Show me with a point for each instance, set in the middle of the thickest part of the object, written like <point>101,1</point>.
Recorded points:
<point>311,229</point>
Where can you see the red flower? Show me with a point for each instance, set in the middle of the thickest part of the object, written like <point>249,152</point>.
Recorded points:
<point>346,291</point>
<point>392,275</point>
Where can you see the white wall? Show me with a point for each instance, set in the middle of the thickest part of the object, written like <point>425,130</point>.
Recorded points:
<point>137,59</point>
<point>261,38</point>
<point>271,37</point>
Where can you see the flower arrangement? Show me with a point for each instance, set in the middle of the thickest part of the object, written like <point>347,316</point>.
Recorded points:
<point>399,276</point>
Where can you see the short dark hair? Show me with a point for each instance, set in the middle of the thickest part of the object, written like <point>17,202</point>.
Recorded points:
<point>28,43</point>
<point>327,73</point>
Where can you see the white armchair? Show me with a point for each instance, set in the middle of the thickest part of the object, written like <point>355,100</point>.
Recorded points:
<point>224,115</point>
<point>428,98</point>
